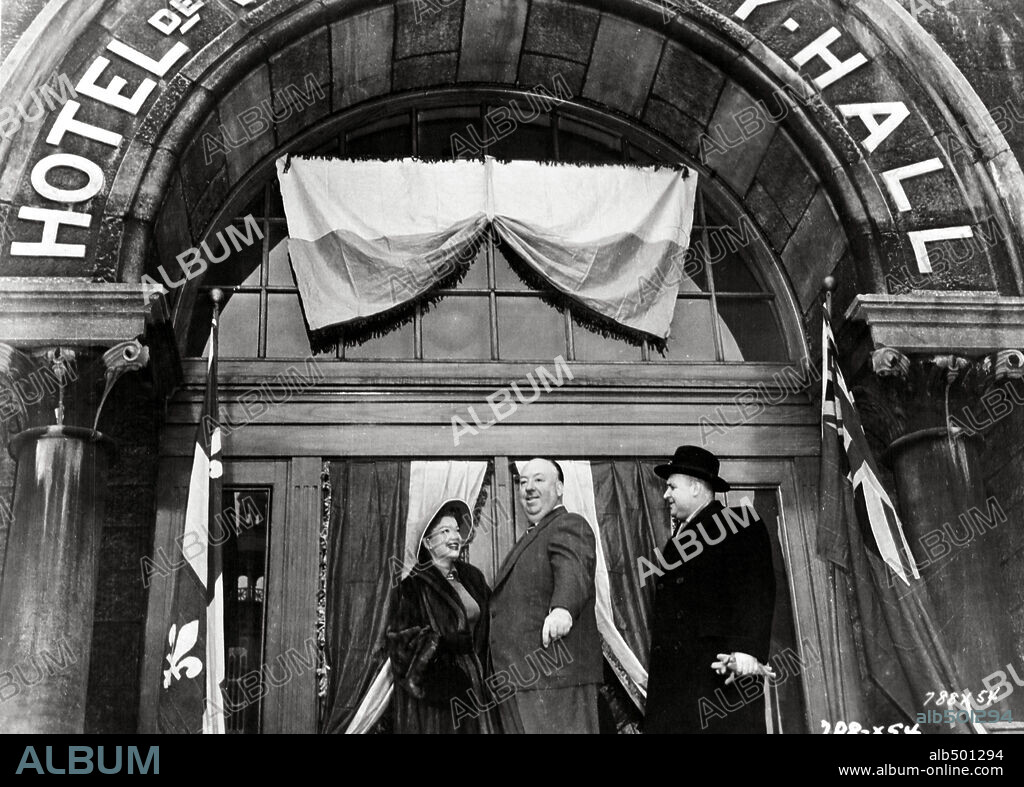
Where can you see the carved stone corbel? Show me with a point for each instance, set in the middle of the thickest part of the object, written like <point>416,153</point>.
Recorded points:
<point>887,362</point>
<point>129,356</point>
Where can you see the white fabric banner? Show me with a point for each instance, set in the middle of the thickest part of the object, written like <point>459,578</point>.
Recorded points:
<point>368,236</point>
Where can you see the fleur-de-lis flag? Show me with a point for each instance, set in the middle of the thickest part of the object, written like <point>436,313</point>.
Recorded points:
<point>193,668</point>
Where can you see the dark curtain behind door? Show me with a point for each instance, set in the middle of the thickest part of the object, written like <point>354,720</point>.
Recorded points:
<point>369,507</point>
<point>633,521</point>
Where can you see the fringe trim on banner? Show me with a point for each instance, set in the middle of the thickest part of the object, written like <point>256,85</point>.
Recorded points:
<point>323,667</point>
<point>361,330</point>
<point>581,313</point>
<point>682,169</point>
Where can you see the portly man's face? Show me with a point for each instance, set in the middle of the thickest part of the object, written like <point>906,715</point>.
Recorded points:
<point>539,489</point>
<point>683,495</point>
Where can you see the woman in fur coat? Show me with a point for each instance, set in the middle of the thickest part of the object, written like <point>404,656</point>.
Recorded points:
<point>437,635</point>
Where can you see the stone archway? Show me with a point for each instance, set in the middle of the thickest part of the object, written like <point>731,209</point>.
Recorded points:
<point>723,78</point>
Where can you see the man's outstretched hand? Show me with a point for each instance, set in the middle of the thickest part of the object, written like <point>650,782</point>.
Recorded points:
<point>557,624</point>
<point>740,664</point>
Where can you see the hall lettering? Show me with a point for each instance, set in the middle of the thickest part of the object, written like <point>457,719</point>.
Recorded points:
<point>837,68</point>
<point>894,112</point>
<point>893,179</point>
<point>919,239</point>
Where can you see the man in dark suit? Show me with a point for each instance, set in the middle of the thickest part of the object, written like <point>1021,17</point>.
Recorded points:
<point>713,606</point>
<point>543,628</point>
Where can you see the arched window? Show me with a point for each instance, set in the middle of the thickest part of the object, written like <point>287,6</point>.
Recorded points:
<point>731,315</point>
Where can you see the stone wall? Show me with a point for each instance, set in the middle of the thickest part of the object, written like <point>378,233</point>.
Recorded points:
<point>131,419</point>
<point>1003,470</point>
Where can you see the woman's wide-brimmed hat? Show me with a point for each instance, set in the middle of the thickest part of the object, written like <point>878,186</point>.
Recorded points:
<point>694,461</point>
<point>459,509</point>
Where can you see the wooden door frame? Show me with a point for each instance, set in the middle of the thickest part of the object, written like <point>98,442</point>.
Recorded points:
<point>290,620</point>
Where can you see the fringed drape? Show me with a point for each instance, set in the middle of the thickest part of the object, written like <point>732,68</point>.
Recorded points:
<point>370,239</point>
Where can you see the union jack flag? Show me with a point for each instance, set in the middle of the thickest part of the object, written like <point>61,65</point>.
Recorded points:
<point>848,473</point>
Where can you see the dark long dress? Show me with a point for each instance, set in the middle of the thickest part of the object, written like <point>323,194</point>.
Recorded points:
<point>437,657</point>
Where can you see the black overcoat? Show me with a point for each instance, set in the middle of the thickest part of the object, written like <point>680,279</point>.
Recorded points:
<point>719,600</point>
<point>439,664</point>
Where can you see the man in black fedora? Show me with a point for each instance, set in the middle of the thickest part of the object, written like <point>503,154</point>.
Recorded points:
<point>713,606</point>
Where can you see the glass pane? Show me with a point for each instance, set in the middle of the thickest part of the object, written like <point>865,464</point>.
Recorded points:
<point>458,327</point>
<point>242,527</point>
<point>529,141</point>
<point>690,337</point>
<point>476,276</point>
<point>280,272</point>
<point>255,206</point>
<point>286,328</point>
<point>398,343</point>
<point>276,207</point>
<point>387,139</point>
<point>730,270</point>
<point>637,156</point>
<point>753,326</point>
<point>592,346</point>
<point>437,128</point>
<point>239,267</point>
<point>694,270</point>
<point>529,329</point>
<point>239,325</point>
<point>504,277</point>
<point>581,142</point>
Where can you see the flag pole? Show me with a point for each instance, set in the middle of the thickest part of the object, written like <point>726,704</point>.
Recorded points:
<point>217,296</point>
<point>214,715</point>
<point>829,283</point>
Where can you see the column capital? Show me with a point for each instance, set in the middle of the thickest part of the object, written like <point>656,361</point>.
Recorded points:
<point>61,386</point>
<point>910,392</point>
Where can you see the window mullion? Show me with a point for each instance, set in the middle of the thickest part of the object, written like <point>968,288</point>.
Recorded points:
<point>261,348</point>
<point>715,332</point>
<point>492,298</point>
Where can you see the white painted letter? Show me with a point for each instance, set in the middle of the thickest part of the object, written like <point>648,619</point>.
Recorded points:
<point>45,189</point>
<point>749,6</point>
<point>837,68</point>
<point>111,94</point>
<point>66,122</point>
<point>893,180</point>
<point>918,239</point>
<point>895,111</point>
<point>132,55</point>
<point>48,246</point>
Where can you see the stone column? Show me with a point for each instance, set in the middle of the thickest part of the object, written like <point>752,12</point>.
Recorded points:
<point>48,590</point>
<point>924,410</point>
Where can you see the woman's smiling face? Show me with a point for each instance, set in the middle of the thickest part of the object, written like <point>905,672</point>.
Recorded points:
<point>443,539</point>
